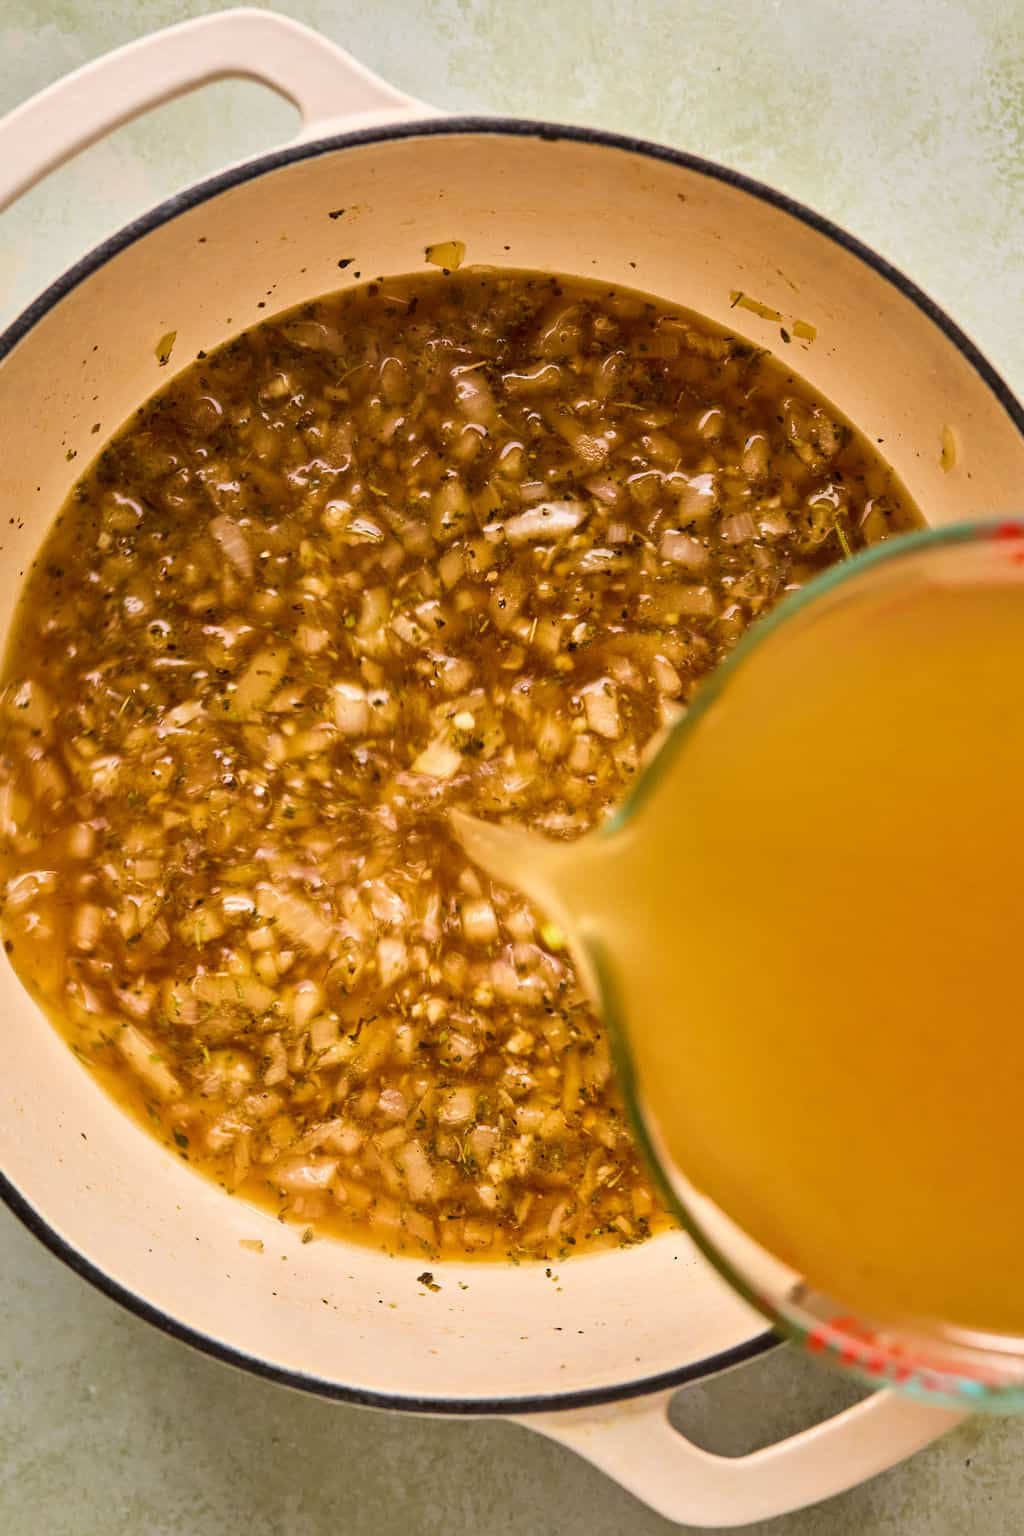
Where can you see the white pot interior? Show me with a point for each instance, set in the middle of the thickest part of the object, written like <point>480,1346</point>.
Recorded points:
<point>338,1314</point>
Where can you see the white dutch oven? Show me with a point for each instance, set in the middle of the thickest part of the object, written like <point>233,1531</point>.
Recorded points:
<point>592,1357</point>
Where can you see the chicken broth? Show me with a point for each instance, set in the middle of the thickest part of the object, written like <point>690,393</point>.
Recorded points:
<point>450,540</point>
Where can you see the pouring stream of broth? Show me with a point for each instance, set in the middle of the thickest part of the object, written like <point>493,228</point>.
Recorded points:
<point>806,924</point>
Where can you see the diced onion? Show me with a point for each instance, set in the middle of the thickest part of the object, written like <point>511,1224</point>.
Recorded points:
<point>234,543</point>
<point>546,520</point>
<point>479,923</point>
<point>350,708</point>
<point>298,918</point>
<point>259,680</point>
<point>440,759</point>
<point>392,960</point>
<point>145,1061</point>
<point>600,701</point>
<point>684,550</point>
<point>457,1107</point>
<point>738,529</point>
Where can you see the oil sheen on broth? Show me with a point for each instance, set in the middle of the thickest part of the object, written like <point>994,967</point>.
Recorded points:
<point>449,540</point>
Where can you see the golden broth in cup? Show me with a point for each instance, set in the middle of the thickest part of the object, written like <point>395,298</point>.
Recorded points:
<point>808,919</point>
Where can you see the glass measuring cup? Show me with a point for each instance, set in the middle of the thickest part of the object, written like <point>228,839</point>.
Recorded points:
<point>908,1105</point>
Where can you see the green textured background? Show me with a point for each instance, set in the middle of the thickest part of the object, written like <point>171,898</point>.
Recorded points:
<point>902,120</point>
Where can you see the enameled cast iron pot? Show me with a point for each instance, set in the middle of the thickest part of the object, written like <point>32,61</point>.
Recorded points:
<point>593,1360</point>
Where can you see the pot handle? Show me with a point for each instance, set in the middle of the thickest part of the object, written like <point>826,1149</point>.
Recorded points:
<point>635,1443</point>
<point>322,80</point>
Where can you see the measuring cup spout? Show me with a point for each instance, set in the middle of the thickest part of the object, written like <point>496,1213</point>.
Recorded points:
<point>536,865</point>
